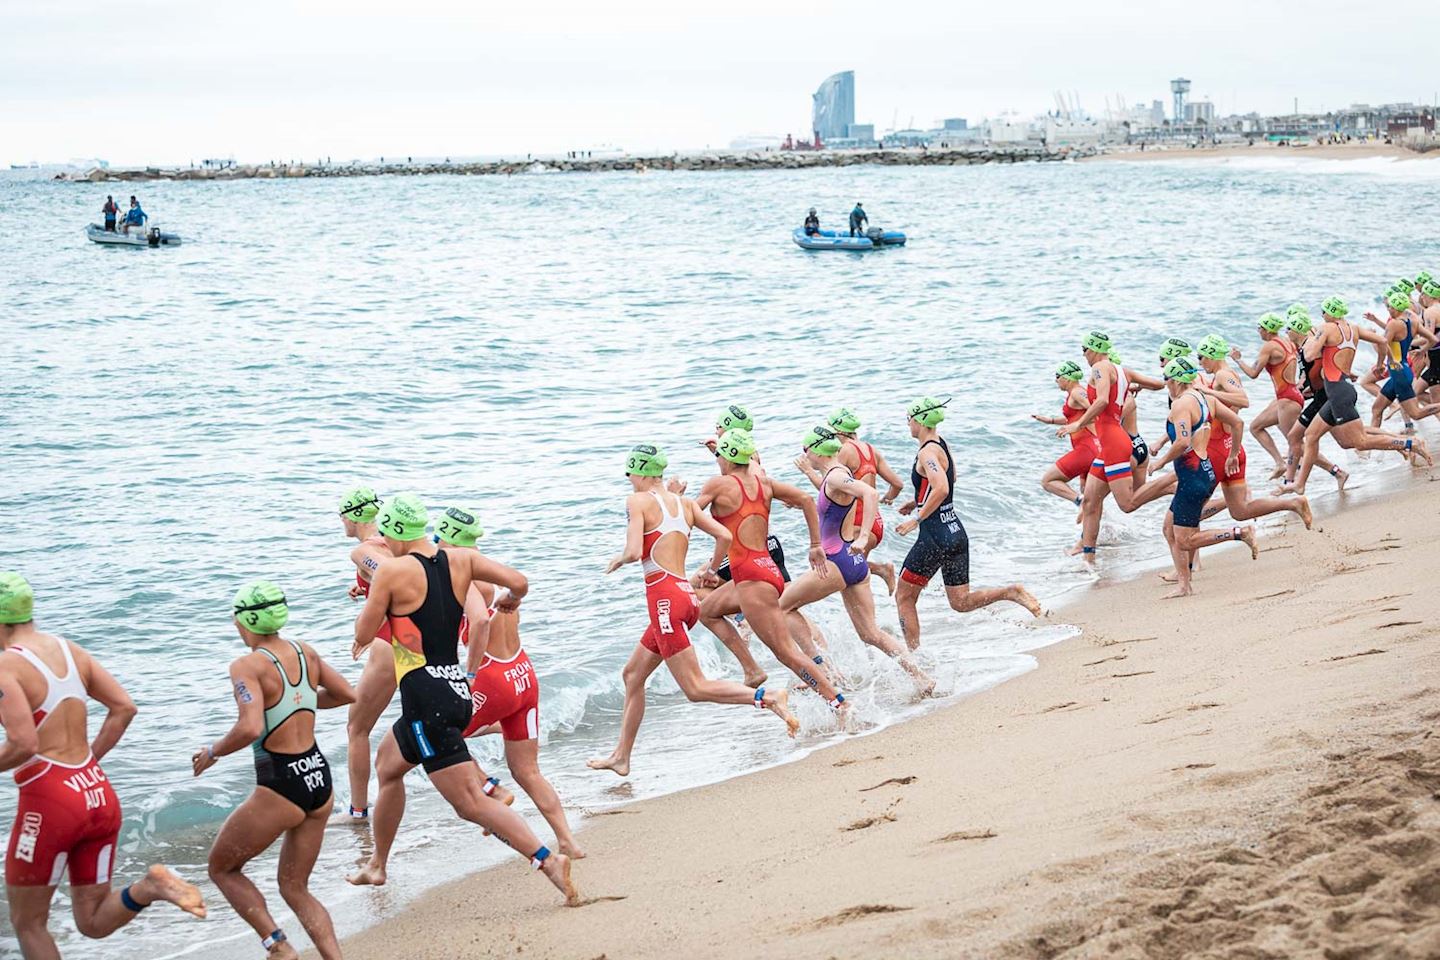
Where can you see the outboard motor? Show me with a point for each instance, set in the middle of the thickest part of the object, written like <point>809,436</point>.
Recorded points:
<point>153,235</point>
<point>876,235</point>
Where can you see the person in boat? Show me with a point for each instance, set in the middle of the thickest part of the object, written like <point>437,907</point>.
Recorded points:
<point>110,210</point>
<point>134,217</point>
<point>812,223</point>
<point>858,220</point>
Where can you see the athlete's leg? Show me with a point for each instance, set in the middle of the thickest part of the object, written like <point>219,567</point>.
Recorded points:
<point>810,587</point>
<point>1154,489</point>
<point>1416,410</point>
<point>1193,538</point>
<point>461,786</point>
<point>1354,436</point>
<point>523,759</point>
<point>298,853</point>
<point>762,608</point>
<point>30,918</point>
<point>1180,557</point>
<point>1287,415</point>
<point>963,599</point>
<point>637,671</point>
<point>1377,409</point>
<point>720,603</point>
<point>1242,506</point>
<point>1054,482</point>
<point>1311,451</point>
<point>860,605</point>
<point>100,909</point>
<point>1260,430</point>
<point>905,596</point>
<point>248,831</point>
<point>372,695</point>
<point>1092,508</point>
<point>390,769</point>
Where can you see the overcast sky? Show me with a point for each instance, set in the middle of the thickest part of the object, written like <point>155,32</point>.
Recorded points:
<point>163,81</point>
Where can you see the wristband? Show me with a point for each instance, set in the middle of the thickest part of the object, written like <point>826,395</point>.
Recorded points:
<point>211,751</point>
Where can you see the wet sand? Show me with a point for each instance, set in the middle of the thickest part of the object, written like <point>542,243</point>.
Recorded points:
<point>1250,772</point>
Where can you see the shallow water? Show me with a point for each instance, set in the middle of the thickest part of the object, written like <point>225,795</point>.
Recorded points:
<point>174,422</point>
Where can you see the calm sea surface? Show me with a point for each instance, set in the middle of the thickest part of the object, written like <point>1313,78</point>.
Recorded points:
<point>174,422</point>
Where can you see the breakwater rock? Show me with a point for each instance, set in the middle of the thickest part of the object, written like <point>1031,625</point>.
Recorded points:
<point>770,160</point>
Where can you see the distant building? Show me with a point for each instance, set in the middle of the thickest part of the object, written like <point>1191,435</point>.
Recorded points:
<point>833,111</point>
<point>860,132</point>
<point>955,123</point>
<point>1200,111</point>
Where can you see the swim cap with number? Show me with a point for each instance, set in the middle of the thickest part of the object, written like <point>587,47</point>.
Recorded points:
<point>260,607</point>
<point>1272,322</point>
<point>1180,370</point>
<point>927,411</point>
<point>844,420</point>
<point>822,442</point>
<point>1300,323</point>
<point>1213,347</point>
<point>17,600</point>
<point>736,445</point>
<point>1069,370</point>
<point>1398,300</point>
<point>1295,308</point>
<point>1406,284</point>
<point>1097,342</point>
<point>646,460</point>
<point>459,526</point>
<point>403,517</point>
<point>1334,307</point>
<point>1423,278</point>
<point>734,417</point>
<point>1431,289</point>
<point>360,504</point>
<point>1174,347</point>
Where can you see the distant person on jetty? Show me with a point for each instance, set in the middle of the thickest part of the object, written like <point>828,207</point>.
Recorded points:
<point>293,786</point>
<point>111,211</point>
<point>858,220</point>
<point>67,815</point>
<point>134,217</point>
<point>812,223</point>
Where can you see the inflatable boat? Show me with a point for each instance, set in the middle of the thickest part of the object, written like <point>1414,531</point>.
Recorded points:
<point>873,239</point>
<point>144,237</point>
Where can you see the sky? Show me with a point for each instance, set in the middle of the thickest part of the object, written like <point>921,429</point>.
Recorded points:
<point>160,81</point>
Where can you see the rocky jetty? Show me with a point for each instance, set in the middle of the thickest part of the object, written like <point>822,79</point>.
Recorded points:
<point>770,160</point>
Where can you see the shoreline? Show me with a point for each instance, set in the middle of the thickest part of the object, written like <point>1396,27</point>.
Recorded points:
<point>1336,151</point>
<point>1136,753</point>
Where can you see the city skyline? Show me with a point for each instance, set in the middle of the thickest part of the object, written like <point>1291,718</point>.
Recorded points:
<point>158,82</point>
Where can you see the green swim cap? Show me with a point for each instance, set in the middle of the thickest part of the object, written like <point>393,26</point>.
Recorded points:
<point>822,442</point>
<point>1398,300</point>
<point>646,460</point>
<point>1272,322</point>
<point>17,600</point>
<point>1181,370</point>
<point>360,504</point>
<point>1334,307</point>
<point>459,526</point>
<point>1300,323</point>
<point>1423,278</point>
<point>1097,341</point>
<point>1174,347</point>
<point>1213,347</point>
<point>1406,284</point>
<point>927,411</point>
<point>403,517</point>
<point>1431,289</point>
<point>1069,370</point>
<point>260,607</point>
<point>1113,355</point>
<point>1295,308</point>
<point>736,445</point>
<point>734,417</point>
<point>844,420</point>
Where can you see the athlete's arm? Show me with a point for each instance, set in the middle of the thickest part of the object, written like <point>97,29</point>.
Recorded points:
<point>331,689</point>
<point>869,504</point>
<point>249,725</point>
<point>477,636</point>
<point>367,558</point>
<point>888,474</point>
<point>699,518</point>
<point>1424,338</point>
<point>105,689</point>
<point>1144,381</point>
<point>1181,446</point>
<point>372,615</point>
<point>797,498</point>
<point>1233,426</point>
<point>634,533</point>
<point>21,739</point>
<point>1381,342</point>
<point>1229,390</point>
<point>1252,371</point>
<point>710,491</point>
<point>492,571</point>
<point>802,463</point>
<point>1102,399</point>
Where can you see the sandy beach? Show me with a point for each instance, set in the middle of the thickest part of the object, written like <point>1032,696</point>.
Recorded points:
<point>1247,773</point>
<point>1338,151</point>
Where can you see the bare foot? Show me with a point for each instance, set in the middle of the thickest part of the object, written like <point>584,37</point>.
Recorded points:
<point>1305,514</point>
<point>1248,536</point>
<point>557,870</point>
<point>1075,551</point>
<point>620,765</point>
<point>160,883</point>
<point>282,951</point>
<point>886,572</point>
<point>756,679</point>
<point>1341,476</point>
<point>778,703</point>
<point>1184,591</point>
<point>1026,599</point>
<point>571,849</point>
<point>344,818</point>
<point>1278,472</point>
<point>924,683</point>
<point>1419,449</point>
<point>370,875</point>
<point>1169,576</point>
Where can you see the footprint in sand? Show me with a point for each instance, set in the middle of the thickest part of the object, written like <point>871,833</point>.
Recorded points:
<point>986,834</point>
<point>898,781</point>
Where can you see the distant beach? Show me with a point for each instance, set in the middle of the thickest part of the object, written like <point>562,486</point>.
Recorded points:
<point>1312,151</point>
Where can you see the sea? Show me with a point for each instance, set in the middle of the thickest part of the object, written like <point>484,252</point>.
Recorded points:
<point>175,422</point>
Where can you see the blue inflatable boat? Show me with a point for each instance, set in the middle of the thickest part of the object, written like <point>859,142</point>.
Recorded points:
<point>873,239</point>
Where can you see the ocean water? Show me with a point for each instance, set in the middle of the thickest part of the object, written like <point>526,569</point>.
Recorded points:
<point>174,422</point>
